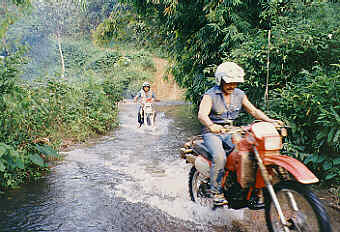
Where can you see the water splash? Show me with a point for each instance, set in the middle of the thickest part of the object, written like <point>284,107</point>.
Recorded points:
<point>162,183</point>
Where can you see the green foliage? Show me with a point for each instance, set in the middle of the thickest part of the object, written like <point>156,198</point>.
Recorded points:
<point>311,106</point>
<point>75,55</point>
<point>10,12</point>
<point>43,107</point>
<point>314,99</point>
<point>21,2</point>
<point>10,158</point>
<point>96,11</point>
<point>196,34</point>
<point>304,83</point>
<point>105,62</point>
<point>123,25</point>
<point>41,24</point>
<point>82,104</point>
<point>55,110</point>
<point>118,27</point>
<point>104,33</point>
<point>305,45</point>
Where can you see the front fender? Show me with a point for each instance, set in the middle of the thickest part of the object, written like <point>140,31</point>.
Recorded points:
<point>301,173</point>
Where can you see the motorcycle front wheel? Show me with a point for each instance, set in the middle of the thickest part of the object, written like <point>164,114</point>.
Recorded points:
<point>302,209</point>
<point>199,188</point>
<point>148,119</point>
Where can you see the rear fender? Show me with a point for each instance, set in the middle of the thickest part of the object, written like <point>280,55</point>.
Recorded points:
<point>297,169</point>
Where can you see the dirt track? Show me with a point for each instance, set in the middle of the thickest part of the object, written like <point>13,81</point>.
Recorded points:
<point>165,89</point>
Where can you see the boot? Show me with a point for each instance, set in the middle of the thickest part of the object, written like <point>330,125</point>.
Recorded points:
<point>219,199</point>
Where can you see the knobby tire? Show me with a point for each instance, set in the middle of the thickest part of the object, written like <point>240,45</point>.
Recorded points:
<point>191,177</point>
<point>309,196</point>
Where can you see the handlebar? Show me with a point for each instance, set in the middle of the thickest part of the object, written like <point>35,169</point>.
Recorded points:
<point>240,130</point>
<point>232,129</point>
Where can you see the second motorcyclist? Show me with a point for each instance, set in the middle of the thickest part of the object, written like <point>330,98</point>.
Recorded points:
<point>145,94</point>
<point>219,105</point>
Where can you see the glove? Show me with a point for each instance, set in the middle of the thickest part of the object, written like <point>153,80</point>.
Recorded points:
<point>215,128</point>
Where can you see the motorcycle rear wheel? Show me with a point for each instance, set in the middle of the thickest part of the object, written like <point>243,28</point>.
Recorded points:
<point>310,217</point>
<point>199,188</point>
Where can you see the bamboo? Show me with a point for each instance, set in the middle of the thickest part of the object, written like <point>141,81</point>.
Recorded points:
<point>267,78</point>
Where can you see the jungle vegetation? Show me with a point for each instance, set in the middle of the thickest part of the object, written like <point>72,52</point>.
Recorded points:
<point>56,86</point>
<point>290,50</point>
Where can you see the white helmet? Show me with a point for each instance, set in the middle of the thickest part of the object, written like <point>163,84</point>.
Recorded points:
<point>229,72</point>
<point>146,84</point>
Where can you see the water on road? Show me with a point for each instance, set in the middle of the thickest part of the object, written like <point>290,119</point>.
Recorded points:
<point>131,180</point>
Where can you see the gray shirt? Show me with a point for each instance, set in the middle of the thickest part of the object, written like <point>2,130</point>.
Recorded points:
<point>148,94</point>
<point>220,113</point>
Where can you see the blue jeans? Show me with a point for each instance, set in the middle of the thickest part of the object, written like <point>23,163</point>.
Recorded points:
<point>219,145</point>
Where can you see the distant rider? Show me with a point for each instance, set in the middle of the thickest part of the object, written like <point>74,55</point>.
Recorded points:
<point>219,105</point>
<point>145,94</point>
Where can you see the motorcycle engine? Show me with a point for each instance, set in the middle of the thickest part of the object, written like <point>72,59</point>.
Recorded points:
<point>234,193</point>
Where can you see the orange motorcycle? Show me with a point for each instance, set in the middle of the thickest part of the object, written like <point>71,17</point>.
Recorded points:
<point>256,172</point>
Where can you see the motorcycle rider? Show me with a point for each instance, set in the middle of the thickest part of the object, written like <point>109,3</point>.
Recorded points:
<point>219,105</point>
<point>144,94</point>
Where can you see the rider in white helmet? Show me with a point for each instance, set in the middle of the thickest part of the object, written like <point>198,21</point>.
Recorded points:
<point>143,95</point>
<point>219,105</point>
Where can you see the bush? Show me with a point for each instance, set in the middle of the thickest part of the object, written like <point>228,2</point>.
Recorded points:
<point>305,44</point>
<point>55,110</point>
<point>312,108</point>
<point>104,62</point>
<point>303,83</point>
<point>37,115</point>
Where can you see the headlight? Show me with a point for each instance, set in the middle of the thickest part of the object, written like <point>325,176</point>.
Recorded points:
<point>272,143</point>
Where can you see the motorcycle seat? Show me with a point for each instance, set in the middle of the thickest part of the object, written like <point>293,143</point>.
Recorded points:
<point>201,149</point>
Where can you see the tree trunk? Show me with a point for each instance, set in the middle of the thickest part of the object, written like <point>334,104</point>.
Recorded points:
<point>61,56</point>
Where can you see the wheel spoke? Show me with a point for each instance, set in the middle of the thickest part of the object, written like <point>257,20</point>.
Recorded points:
<point>300,220</point>
<point>292,200</point>
<point>301,209</point>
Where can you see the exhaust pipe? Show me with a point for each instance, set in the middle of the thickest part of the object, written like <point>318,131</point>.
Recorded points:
<point>202,165</point>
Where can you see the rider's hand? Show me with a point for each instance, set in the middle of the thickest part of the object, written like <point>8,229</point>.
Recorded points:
<point>215,128</point>
<point>277,122</point>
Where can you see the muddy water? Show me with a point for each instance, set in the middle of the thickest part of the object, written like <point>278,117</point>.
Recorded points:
<point>131,180</point>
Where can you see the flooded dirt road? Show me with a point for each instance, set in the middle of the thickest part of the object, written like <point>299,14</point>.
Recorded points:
<point>131,180</point>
